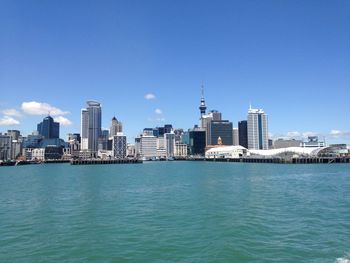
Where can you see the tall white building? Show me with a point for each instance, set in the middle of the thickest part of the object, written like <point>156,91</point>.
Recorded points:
<point>91,126</point>
<point>258,138</point>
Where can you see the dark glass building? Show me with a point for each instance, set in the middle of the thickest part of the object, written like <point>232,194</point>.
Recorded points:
<point>222,129</point>
<point>243,133</point>
<point>197,142</point>
<point>48,128</point>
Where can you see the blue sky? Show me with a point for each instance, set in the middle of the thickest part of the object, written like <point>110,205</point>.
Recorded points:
<point>291,58</point>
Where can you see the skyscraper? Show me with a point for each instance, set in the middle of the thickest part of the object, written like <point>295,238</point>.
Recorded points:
<point>48,128</point>
<point>243,133</point>
<point>258,138</point>
<point>116,127</point>
<point>91,126</point>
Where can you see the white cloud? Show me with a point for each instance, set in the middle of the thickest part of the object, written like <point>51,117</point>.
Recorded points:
<point>150,96</point>
<point>63,121</point>
<point>11,112</point>
<point>41,108</point>
<point>158,111</point>
<point>339,134</point>
<point>8,121</point>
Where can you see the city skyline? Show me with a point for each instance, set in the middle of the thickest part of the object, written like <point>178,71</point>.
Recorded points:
<point>146,67</point>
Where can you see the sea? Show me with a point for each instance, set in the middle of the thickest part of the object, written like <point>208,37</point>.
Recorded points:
<point>175,211</point>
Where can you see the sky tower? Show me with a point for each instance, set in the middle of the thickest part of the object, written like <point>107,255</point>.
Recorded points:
<point>202,106</point>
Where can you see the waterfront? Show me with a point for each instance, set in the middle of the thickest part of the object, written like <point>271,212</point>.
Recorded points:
<point>175,212</point>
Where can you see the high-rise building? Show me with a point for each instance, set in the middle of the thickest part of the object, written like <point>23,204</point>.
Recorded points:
<point>119,146</point>
<point>222,129</point>
<point>243,133</point>
<point>235,136</point>
<point>48,128</point>
<point>258,138</point>
<point>197,141</point>
<point>91,118</point>
<point>116,127</point>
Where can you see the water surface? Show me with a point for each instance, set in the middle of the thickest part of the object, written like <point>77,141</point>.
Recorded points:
<point>175,212</point>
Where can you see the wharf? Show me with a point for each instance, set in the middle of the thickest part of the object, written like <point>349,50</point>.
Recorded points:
<point>99,161</point>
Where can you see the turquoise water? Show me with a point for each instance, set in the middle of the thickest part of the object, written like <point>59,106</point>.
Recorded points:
<point>175,212</point>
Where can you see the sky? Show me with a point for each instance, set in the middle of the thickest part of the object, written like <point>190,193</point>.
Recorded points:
<point>145,61</point>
